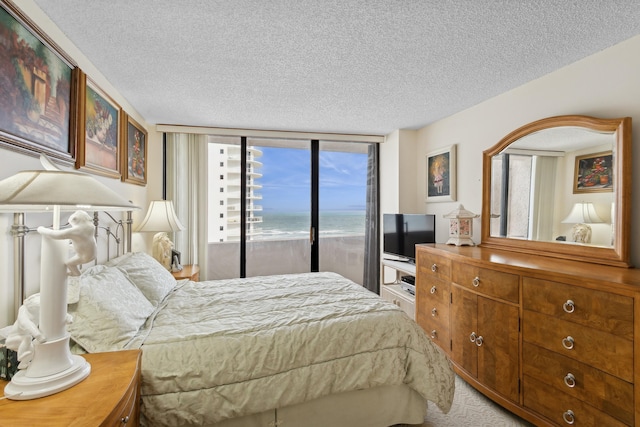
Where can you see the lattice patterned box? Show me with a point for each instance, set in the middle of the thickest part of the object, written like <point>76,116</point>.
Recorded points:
<point>8,362</point>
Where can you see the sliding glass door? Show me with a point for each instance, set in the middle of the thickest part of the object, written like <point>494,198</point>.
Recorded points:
<point>278,238</point>
<point>281,206</point>
<point>342,207</point>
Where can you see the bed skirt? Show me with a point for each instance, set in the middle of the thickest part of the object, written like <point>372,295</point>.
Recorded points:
<point>377,407</point>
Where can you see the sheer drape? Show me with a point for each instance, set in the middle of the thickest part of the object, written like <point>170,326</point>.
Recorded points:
<point>371,276</point>
<point>186,178</point>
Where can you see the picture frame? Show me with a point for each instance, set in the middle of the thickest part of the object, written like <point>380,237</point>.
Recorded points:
<point>99,140</point>
<point>135,140</point>
<point>441,175</point>
<point>593,173</point>
<point>38,103</point>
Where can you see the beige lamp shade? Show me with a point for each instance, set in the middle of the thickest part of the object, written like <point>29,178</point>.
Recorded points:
<point>583,213</point>
<point>161,217</point>
<point>42,189</point>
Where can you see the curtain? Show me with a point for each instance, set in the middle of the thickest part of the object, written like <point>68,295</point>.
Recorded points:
<point>371,276</point>
<point>186,186</point>
<point>544,181</point>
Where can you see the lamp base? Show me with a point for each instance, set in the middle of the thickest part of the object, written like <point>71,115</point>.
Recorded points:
<point>72,369</point>
<point>460,241</point>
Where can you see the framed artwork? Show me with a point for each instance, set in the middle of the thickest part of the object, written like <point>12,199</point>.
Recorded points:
<point>593,173</point>
<point>99,131</point>
<point>441,175</point>
<point>134,168</point>
<point>38,100</point>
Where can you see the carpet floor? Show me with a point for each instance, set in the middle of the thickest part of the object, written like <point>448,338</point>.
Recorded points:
<point>471,409</point>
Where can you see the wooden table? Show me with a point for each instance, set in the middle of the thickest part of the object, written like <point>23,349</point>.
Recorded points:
<point>110,395</point>
<point>189,271</point>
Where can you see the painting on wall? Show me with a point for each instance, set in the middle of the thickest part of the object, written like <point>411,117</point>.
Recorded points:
<point>134,170</point>
<point>37,93</point>
<point>441,175</point>
<point>99,142</point>
<point>593,173</point>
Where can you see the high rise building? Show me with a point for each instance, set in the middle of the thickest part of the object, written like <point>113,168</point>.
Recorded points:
<point>224,192</point>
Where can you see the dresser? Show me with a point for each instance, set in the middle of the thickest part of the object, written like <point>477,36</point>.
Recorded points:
<point>109,396</point>
<point>551,340</point>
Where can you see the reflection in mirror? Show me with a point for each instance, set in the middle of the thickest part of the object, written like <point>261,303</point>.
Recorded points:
<point>532,190</point>
<point>557,187</point>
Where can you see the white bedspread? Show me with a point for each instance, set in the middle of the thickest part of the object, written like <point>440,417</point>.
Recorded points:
<point>223,349</point>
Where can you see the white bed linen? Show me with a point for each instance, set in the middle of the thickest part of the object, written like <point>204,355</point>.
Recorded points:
<point>225,349</point>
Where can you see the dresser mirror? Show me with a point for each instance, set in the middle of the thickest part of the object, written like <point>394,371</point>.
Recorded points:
<point>560,187</point>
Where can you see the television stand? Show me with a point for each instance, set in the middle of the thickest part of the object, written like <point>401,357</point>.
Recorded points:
<point>393,291</point>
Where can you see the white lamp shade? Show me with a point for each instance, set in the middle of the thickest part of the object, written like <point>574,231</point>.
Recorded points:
<point>41,190</point>
<point>161,217</point>
<point>582,213</point>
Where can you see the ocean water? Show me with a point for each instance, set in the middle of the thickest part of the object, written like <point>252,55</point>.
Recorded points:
<point>295,225</point>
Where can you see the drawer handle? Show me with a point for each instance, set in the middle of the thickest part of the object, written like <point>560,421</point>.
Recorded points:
<point>569,306</point>
<point>568,342</point>
<point>570,380</point>
<point>433,289</point>
<point>476,281</point>
<point>434,312</point>
<point>124,420</point>
<point>479,340</point>
<point>434,334</point>
<point>434,268</point>
<point>569,417</point>
<point>473,337</point>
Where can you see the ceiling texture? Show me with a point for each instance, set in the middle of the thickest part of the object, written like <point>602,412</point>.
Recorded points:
<point>350,66</point>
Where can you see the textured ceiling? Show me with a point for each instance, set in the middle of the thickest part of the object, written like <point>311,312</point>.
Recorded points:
<point>351,66</point>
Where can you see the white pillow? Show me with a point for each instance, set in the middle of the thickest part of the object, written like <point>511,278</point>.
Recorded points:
<point>147,274</point>
<point>109,312</point>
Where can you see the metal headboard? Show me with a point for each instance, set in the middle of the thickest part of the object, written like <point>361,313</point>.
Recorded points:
<point>19,230</point>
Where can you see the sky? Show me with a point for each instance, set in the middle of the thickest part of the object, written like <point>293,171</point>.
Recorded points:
<point>286,180</point>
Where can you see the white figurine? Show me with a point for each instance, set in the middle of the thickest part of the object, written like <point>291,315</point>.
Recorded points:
<point>581,233</point>
<point>161,249</point>
<point>25,330</point>
<point>81,234</point>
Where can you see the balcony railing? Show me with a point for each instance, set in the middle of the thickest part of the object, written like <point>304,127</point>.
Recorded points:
<point>341,254</point>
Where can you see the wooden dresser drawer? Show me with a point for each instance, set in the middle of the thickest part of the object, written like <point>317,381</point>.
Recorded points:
<point>433,291</point>
<point>602,391</point>
<point>607,352</point>
<point>563,409</point>
<point>603,311</point>
<point>126,413</point>
<point>438,329</point>
<point>489,282</point>
<point>432,310</point>
<point>432,265</point>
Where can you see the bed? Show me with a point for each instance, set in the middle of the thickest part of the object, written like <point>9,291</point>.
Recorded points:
<point>310,349</point>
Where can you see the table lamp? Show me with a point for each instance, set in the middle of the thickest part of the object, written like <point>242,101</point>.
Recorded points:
<point>53,368</point>
<point>582,214</point>
<point>162,219</point>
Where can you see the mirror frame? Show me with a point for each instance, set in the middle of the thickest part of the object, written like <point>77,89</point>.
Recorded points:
<point>618,255</point>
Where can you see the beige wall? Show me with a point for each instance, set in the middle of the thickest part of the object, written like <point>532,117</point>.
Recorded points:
<point>12,162</point>
<point>606,84</point>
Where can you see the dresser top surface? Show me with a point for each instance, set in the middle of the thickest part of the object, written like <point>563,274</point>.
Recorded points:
<point>532,264</point>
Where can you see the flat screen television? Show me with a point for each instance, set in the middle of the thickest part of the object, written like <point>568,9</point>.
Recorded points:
<point>401,233</point>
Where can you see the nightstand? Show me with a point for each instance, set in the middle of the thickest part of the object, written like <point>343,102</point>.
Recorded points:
<point>110,395</point>
<point>190,271</point>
